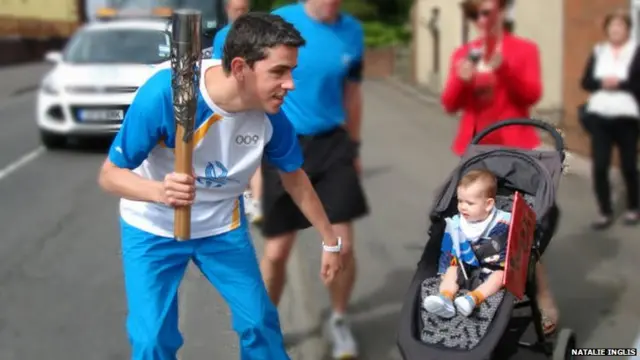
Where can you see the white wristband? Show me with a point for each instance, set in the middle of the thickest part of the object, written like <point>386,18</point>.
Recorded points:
<point>334,248</point>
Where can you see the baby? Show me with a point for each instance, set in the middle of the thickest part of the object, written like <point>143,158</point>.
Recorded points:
<point>473,248</point>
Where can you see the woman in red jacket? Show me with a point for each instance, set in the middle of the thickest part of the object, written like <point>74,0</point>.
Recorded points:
<point>504,87</point>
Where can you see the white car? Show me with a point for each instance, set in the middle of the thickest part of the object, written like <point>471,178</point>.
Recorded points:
<point>96,77</point>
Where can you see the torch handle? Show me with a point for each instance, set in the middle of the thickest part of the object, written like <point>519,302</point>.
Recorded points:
<point>183,165</point>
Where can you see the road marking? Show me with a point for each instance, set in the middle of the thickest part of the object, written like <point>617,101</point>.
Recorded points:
<point>20,162</point>
<point>25,90</point>
<point>16,100</point>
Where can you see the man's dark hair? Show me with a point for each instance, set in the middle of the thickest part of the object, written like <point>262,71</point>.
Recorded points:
<point>253,33</point>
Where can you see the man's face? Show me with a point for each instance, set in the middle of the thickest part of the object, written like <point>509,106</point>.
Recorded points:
<point>237,8</point>
<point>271,78</point>
<point>327,9</point>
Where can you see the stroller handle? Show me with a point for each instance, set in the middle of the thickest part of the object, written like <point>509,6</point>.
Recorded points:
<point>557,137</point>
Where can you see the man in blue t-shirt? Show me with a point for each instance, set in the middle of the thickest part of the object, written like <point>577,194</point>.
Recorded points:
<point>325,109</point>
<point>237,120</point>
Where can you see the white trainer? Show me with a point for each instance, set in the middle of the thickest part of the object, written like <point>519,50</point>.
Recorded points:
<point>439,305</point>
<point>465,305</point>
<point>344,344</point>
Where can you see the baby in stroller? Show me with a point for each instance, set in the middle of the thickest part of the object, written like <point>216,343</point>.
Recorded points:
<point>494,329</point>
<point>473,248</point>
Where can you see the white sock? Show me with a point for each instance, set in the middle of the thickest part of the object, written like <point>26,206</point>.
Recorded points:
<point>337,316</point>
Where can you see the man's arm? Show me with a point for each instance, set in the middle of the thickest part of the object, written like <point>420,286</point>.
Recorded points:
<point>456,91</point>
<point>297,184</point>
<point>353,90</point>
<point>353,102</point>
<point>588,82</point>
<point>524,82</point>
<point>353,106</point>
<point>283,151</point>
<point>139,134</point>
<point>126,184</point>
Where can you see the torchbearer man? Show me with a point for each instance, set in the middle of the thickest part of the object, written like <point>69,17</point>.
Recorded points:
<point>237,120</point>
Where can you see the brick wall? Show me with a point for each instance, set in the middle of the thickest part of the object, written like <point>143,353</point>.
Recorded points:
<point>582,29</point>
<point>379,62</point>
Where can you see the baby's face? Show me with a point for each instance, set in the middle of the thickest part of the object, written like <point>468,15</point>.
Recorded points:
<point>473,205</point>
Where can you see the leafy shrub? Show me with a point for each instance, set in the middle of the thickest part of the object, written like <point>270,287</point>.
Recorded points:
<point>378,34</point>
<point>360,9</point>
<point>279,3</point>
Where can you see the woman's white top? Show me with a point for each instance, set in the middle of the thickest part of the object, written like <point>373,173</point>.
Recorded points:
<point>609,63</point>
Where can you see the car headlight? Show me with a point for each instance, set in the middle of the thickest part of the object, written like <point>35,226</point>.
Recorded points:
<point>49,87</point>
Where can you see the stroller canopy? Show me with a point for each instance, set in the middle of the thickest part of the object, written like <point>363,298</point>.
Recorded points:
<point>536,173</point>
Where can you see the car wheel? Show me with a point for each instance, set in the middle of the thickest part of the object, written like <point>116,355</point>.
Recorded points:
<point>52,141</point>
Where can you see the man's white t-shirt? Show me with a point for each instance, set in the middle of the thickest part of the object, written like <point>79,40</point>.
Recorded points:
<point>228,148</point>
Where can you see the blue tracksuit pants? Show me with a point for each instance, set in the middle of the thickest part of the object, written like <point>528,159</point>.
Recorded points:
<point>153,269</point>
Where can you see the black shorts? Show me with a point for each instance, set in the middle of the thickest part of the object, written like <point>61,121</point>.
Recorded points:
<point>328,161</point>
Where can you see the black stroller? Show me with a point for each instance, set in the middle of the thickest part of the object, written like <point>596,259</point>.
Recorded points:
<point>495,330</point>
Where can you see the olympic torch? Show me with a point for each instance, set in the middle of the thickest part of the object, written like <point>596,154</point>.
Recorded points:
<point>186,58</point>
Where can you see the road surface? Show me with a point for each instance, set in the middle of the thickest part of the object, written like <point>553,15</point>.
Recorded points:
<point>61,290</point>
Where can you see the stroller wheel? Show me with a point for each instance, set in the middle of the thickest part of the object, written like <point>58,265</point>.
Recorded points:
<point>566,341</point>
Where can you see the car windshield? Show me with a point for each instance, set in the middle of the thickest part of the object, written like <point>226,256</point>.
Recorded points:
<point>118,46</point>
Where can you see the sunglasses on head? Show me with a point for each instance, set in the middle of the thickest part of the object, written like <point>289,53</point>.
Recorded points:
<point>477,14</point>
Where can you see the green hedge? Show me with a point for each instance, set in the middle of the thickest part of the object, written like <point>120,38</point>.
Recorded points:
<point>280,3</point>
<point>376,34</point>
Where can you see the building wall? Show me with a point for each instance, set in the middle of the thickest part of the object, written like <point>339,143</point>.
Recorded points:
<point>30,28</point>
<point>38,19</point>
<point>583,29</point>
<point>542,22</point>
<point>450,24</point>
<point>56,10</point>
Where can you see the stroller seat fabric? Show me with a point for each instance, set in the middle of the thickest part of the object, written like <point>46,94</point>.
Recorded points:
<point>459,332</point>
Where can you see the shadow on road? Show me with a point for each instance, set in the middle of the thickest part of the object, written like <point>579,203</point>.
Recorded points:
<point>92,146</point>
